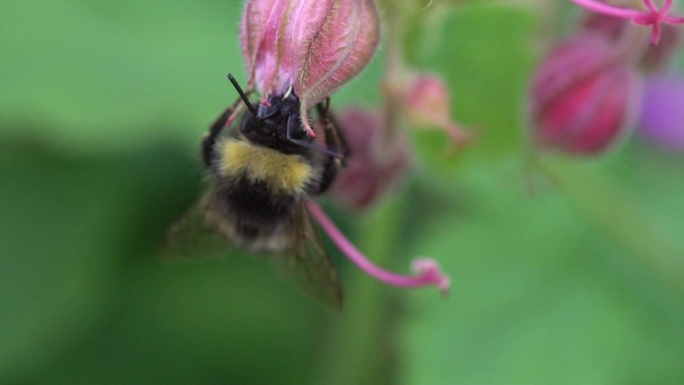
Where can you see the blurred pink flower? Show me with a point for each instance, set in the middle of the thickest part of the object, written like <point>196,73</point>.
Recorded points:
<point>376,161</point>
<point>662,112</point>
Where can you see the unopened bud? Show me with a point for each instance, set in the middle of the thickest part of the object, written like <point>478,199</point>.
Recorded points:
<point>428,104</point>
<point>583,96</point>
<point>310,47</point>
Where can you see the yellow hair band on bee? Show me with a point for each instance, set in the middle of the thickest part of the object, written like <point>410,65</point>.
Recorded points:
<point>286,172</point>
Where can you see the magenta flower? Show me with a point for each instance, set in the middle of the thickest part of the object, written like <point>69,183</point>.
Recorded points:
<point>652,17</point>
<point>662,115</point>
<point>583,96</point>
<point>309,47</point>
<point>376,162</point>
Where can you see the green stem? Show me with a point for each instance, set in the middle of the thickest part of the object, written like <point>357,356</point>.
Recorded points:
<point>357,349</point>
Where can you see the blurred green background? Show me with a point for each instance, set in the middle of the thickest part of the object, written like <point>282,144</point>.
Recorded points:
<point>102,105</point>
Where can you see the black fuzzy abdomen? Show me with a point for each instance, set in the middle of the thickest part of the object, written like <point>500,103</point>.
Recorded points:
<point>258,211</point>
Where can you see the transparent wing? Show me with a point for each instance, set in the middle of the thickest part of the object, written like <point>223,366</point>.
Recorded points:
<point>308,265</point>
<point>193,236</point>
<point>201,234</point>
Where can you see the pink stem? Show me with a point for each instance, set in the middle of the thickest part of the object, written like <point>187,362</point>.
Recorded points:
<point>673,19</point>
<point>655,35</point>
<point>651,7</point>
<point>652,17</point>
<point>607,9</point>
<point>427,271</point>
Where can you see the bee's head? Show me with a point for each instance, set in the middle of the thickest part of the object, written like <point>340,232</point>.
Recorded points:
<point>276,119</point>
<point>279,118</point>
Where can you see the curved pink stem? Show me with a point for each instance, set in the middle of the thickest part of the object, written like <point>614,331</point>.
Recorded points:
<point>673,19</point>
<point>607,9</point>
<point>427,271</point>
<point>651,7</point>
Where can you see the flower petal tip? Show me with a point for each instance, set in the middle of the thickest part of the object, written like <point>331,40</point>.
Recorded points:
<point>429,271</point>
<point>460,137</point>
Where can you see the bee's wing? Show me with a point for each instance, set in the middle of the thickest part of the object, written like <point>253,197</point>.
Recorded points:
<point>308,264</point>
<point>193,236</point>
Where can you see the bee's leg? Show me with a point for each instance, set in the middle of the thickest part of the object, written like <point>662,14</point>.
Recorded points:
<point>209,140</point>
<point>335,143</point>
<point>334,137</point>
<point>291,121</point>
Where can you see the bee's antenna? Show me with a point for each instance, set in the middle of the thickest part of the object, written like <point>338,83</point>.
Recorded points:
<point>250,107</point>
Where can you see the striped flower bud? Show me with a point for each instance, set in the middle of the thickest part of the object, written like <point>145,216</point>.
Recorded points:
<point>583,96</point>
<point>309,47</point>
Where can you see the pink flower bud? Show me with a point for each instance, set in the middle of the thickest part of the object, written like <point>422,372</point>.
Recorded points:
<point>428,104</point>
<point>376,163</point>
<point>662,115</point>
<point>583,96</point>
<point>310,47</point>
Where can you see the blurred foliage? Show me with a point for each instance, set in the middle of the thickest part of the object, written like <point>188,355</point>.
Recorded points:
<point>102,109</point>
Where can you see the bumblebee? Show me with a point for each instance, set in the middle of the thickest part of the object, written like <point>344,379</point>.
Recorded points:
<point>261,170</point>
